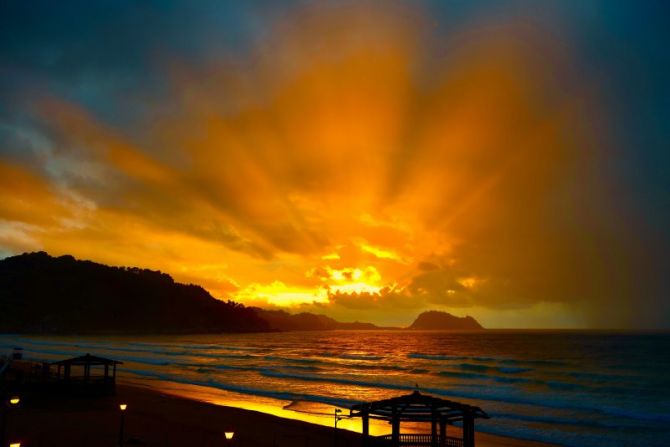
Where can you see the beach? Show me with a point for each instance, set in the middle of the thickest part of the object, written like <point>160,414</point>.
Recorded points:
<point>541,387</point>
<point>154,418</point>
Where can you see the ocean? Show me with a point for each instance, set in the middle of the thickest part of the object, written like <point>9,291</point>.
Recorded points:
<point>577,389</point>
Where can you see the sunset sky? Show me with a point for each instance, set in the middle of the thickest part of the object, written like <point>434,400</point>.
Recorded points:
<point>364,160</point>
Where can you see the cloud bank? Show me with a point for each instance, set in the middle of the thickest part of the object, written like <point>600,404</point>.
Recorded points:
<point>363,161</point>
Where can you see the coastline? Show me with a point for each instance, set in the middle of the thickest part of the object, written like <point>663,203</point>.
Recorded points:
<point>157,417</point>
<point>244,405</point>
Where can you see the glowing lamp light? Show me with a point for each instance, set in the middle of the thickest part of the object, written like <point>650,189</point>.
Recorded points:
<point>14,400</point>
<point>229,435</point>
<point>123,407</point>
<point>15,444</point>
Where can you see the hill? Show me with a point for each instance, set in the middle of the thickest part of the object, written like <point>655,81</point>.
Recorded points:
<point>435,320</point>
<point>283,321</point>
<point>44,294</point>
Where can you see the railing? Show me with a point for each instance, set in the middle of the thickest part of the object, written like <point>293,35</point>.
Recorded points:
<point>418,440</point>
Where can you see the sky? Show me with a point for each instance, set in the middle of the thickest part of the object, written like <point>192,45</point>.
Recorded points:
<point>506,160</point>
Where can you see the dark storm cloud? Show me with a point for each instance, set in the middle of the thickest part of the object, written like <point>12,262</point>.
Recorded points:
<point>624,45</point>
<point>106,55</point>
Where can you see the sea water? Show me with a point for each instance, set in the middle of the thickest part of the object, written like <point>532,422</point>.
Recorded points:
<point>564,387</point>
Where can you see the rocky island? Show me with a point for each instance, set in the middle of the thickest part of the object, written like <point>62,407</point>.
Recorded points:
<point>435,320</point>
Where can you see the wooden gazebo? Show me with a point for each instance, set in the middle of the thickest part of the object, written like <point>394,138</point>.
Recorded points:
<point>88,364</point>
<point>417,407</point>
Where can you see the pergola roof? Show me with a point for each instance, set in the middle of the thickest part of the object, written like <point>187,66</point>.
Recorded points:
<point>88,359</point>
<point>417,407</point>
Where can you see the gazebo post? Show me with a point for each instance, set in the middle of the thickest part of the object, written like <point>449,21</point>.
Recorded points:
<point>472,430</point>
<point>443,432</point>
<point>417,407</point>
<point>395,427</point>
<point>468,430</point>
<point>366,424</point>
<point>465,433</point>
<point>365,419</point>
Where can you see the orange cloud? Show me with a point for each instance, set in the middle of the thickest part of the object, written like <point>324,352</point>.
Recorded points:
<point>347,163</point>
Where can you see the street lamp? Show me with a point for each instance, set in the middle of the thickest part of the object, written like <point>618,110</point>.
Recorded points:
<point>337,416</point>
<point>123,408</point>
<point>229,435</point>
<point>15,444</point>
<point>8,405</point>
<point>337,419</point>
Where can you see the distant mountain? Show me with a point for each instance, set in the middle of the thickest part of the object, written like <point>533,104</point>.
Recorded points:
<point>305,321</point>
<point>44,294</point>
<point>60,295</point>
<point>435,320</point>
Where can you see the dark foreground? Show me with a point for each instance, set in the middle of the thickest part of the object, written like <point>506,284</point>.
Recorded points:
<point>154,419</point>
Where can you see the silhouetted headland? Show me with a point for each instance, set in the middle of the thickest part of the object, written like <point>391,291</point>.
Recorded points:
<point>436,320</point>
<point>44,294</point>
<point>40,293</point>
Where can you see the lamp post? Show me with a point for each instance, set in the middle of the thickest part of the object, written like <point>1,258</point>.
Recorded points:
<point>337,416</point>
<point>337,419</point>
<point>123,408</point>
<point>11,403</point>
<point>228,435</point>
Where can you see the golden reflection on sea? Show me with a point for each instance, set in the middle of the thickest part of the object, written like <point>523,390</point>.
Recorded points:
<point>313,413</point>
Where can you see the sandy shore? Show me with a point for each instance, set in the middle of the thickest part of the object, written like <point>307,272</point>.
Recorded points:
<point>158,419</point>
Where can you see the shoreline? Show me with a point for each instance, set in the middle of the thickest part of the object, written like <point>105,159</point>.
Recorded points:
<point>163,417</point>
<point>268,406</point>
